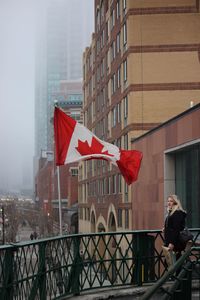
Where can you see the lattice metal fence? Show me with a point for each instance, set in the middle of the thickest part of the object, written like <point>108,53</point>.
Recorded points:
<point>52,268</point>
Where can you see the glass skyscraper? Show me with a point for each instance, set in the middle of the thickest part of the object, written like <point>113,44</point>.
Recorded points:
<point>64,30</point>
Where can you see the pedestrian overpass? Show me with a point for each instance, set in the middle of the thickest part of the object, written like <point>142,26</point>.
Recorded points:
<point>71,265</point>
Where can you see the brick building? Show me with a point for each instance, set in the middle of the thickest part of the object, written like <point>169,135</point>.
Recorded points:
<point>141,69</point>
<point>44,183</point>
<point>171,165</point>
<point>69,98</point>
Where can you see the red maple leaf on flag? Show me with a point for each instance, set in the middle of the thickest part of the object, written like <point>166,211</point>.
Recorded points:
<point>95,148</point>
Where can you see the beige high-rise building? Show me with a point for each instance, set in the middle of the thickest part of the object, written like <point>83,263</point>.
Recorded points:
<point>141,69</point>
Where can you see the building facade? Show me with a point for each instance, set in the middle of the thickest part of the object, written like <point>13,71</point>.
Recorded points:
<point>46,181</point>
<point>64,28</point>
<point>141,69</point>
<point>171,165</point>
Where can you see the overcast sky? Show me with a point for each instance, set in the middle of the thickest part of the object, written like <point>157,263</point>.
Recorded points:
<point>17,84</point>
<point>17,46</point>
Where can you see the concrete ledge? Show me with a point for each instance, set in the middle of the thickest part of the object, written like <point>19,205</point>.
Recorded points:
<point>110,293</point>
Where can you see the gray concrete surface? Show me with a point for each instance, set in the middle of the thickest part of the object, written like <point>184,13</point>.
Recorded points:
<point>114,293</point>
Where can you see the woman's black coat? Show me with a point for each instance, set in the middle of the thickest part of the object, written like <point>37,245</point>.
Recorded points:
<point>174,223</point>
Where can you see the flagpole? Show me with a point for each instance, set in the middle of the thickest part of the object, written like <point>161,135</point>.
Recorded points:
<point>59,200</point>
<point>58,177</point>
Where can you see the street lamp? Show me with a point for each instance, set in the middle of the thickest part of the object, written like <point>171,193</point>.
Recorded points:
<point>3,224</point>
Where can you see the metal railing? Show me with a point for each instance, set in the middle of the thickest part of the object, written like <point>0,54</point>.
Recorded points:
<point>181,275</point>
<point>68,265</point>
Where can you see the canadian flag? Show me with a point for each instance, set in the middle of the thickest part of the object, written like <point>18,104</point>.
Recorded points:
<point>74,142</point>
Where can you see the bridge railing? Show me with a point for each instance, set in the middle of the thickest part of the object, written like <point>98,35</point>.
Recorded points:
<point>68,265</point>
<point>183,272</point>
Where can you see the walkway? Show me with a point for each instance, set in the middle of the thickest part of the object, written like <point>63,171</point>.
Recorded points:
<point>114,293</point>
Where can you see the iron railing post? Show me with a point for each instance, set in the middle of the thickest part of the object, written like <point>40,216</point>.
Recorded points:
<point>77,265</point>
<point>140,243</point>
<point>186,285</point>
<point>137,255</point>
<point>42,266</point>
<point>40,281</point>
<point>8,271</point>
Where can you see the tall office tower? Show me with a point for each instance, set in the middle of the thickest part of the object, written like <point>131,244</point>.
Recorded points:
<point>141,69</point>
<point>64,30</point>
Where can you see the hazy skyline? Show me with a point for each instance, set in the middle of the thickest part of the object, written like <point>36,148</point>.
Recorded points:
<point>17,32</point>
<point>17,84</point>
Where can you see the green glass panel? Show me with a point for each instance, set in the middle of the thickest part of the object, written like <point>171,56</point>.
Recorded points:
<point>187,182</point>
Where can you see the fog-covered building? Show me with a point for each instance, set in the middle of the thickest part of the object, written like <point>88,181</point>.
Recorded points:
<point>64,29</point>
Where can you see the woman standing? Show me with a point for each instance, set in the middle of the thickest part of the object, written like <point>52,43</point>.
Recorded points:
<point>174,223</point>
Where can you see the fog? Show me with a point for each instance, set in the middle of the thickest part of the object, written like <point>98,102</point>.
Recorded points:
<point>17,84</point>
<point>17,32</point>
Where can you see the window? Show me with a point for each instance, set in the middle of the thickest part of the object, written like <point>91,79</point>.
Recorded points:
<point>74,171</point>
<point>93,82</point>
<point>102,68</point>
<point>106,32</point>
<point>93,188</point>
<point>118,42</point>
<point>98,187</point>
<point>120,217</point>
<point>187,182</point>
<point>81,213</point>
<point>119,112</point>
<point>125,192</point>
<point>126,141</point>
<point>98,45</point>
<point>112,18</point>
<point>98,74</point>
<point>108,186</point>
<point>124,34</point>
<point>98,20</point>
<point>114,184</point>
<point>99,168</point>
<point>119,142</point>
<point>107,59</point>
<point>104,186</point>
<point>85,192</point>
<point>126,218</point>
<point>90,60</point>
<point>85,169</point>
<point>124,6</point>
<point>102,12</point>
<point>90,87</point>
<point>87,214</point>
<point>125,110</point>
<point>125,70</point>
<point>119,183</point>
<point>113,87</point>
<point>118,77</point>
<point>101,187</point>
<point>118,8</point>
<point>102,39</point>
<point>126,107</point>
<point>113,51</point>
<point>114,117</point>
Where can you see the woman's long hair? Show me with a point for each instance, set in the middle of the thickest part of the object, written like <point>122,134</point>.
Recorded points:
<point>177,206</point>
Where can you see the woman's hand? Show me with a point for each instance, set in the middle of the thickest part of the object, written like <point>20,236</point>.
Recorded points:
<point>171,246</point>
